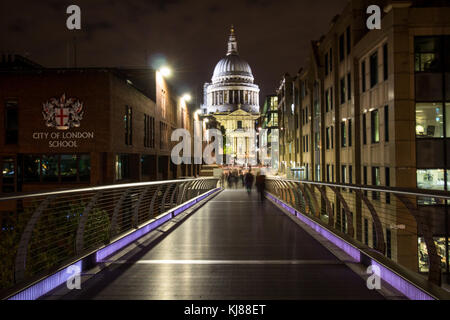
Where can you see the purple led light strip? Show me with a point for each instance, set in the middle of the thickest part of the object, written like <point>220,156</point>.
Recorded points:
<point>402,285</point>
<point>123,242</point>
<point>48,284</point>
<point>51,282</point>
<point>343,245</point>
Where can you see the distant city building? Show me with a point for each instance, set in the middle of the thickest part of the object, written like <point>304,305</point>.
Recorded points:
<point>233,99</point>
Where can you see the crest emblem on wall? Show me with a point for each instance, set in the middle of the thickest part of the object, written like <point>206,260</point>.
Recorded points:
<point>63,113</point>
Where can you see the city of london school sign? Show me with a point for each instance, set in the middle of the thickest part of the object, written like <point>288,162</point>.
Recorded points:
<point>63,114</point>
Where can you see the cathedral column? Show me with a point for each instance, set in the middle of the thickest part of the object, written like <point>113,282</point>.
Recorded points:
<point>239,96</point>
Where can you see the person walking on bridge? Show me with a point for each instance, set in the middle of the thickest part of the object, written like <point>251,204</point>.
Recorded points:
<point>261,186</point>
<point>248,181</point>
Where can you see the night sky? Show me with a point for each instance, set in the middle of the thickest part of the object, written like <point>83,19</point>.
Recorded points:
<point>191,35</point>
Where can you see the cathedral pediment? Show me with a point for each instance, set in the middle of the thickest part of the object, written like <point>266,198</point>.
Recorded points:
<point>236,114</point>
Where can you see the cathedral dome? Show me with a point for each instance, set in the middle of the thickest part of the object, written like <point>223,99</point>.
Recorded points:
<point>232,86</point>
<point>232,65</point>
<point>232,68</point>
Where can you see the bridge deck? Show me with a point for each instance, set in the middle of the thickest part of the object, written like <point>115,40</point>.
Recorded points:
<point>232,248</point>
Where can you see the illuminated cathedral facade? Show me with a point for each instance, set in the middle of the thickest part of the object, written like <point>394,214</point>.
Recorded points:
<point>232,98</point>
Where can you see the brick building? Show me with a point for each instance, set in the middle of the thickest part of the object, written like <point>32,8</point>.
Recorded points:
<point>66,128</point>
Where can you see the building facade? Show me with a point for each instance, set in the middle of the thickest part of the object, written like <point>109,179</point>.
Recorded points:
<point>67,128</point>
<point>373,110</point>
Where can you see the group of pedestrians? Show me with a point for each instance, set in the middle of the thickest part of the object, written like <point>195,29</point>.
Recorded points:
<point>247,181</point>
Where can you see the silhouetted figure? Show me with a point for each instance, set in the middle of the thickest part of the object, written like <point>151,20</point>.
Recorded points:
<point>230,180</point>
<point>261,186</point>
<point>248,181</point>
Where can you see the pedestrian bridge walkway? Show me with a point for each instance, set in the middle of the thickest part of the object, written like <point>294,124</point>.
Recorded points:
<point>191,240</point>
<point>233,247</point>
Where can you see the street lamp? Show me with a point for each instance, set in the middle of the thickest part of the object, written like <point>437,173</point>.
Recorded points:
<point>165,72</point>
<point>187,97</point>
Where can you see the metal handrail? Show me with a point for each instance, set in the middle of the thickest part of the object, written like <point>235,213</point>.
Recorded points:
<point>404,203</point>
<point>404,191</point>
<point>51,228</point>
<point>25,195</point>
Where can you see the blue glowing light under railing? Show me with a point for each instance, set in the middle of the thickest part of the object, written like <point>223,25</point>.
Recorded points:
<point>116,246</point>
<point>402,285</point>
<point>48,284</point>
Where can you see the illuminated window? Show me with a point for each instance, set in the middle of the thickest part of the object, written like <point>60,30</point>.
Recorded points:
<point>432,179</point>
<point>50,168</point>
<point>424,263</point>
<point>429,120</point>
<point>122,167</point>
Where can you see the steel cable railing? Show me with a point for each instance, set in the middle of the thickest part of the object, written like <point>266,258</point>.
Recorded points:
<point>397,223</point>
<point>49,230</point>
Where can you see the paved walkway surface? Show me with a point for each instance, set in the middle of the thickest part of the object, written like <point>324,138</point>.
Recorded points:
<point>232,248</point>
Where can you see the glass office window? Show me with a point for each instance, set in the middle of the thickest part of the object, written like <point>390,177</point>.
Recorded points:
<point>447,53</point>
<point>376,181</point>
<point>122,167</point>
<point>433,179</point>
<point>349,86</point>
<point>327,138</point>
<point>447,119</point>
<point>424,263</point>
<point>341,48</point>
<point>374,69</point>
<point>363,75</point>
<point>385,62</point>
<point>8,170</point>
<point>31,168</point>
<point>50,168</point>
<point>429,120</point>
<point>343,135</point>
<point>68,168</point>
<point>84,168</point>
<point>11,122</point>
<point>427,54</point>
<point>375,126</point>
<point>364,129</point>
<point>342,86</point>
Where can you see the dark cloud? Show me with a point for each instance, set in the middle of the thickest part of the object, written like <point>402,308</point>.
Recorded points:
<point>274,36</point>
